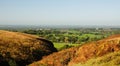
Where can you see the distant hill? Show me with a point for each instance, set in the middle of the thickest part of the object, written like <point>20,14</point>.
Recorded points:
<point>21,49</point>
<point>81,54</point>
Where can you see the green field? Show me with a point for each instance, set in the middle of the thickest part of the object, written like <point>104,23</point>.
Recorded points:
<point>60,46</point>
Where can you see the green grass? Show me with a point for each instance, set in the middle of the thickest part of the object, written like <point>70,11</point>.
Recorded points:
<point>59,46</point>
<point>91,35</point>
<point>111,59</point>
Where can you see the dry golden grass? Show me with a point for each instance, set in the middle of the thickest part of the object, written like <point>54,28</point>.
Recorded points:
<point>110,59</point>
<point>60,58</point>
<point>23,48</point>
<point>81,54</point>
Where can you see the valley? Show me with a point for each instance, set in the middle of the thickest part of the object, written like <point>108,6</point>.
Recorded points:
<point>59,47</point>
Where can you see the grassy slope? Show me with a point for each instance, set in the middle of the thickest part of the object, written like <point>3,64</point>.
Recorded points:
<point>111,59</point>
<point>83,53</point>
<point>23,48</point>
<point>60,58</point>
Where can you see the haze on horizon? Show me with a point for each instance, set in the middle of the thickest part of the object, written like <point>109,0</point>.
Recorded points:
<point>59,12</point>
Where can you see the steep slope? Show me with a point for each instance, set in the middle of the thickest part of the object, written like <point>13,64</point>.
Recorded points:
<point>23,49</point>
<point>95,49</point>
<point>82,53</point>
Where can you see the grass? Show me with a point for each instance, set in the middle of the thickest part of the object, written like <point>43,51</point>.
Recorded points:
<point>61,58</point>
<point>97,51</point>
<point>111,59</point>
<point>59,46</point>
<point>91,35</point>
<point>21,49</point>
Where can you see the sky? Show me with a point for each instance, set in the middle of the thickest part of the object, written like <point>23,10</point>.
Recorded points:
<point>59,12</point>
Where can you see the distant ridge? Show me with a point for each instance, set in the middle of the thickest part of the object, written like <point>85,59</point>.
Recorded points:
<point>55,26</point>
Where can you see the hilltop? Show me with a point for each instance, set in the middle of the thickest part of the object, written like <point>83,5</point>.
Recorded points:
<point>81,54</point>
<point>21,49</point>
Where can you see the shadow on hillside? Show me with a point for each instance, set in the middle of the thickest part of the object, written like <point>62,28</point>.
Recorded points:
<point>38,54</point>
<point>3,62</point>
<point>48,44</point>
<point>34,56</point>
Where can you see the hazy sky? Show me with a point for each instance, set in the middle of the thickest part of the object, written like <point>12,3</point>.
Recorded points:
<point>60,12</point>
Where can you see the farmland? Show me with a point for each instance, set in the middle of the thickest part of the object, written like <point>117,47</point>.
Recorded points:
<point>73,35</point>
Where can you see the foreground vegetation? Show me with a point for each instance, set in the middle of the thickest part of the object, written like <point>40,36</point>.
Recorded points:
<point>111,59</point>
<point>81,54</point>
<point>18,49</point>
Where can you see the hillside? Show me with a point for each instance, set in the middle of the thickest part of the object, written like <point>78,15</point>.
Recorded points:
<point>21,49</point>
<point>81,54</point>
<point>110,59</point>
